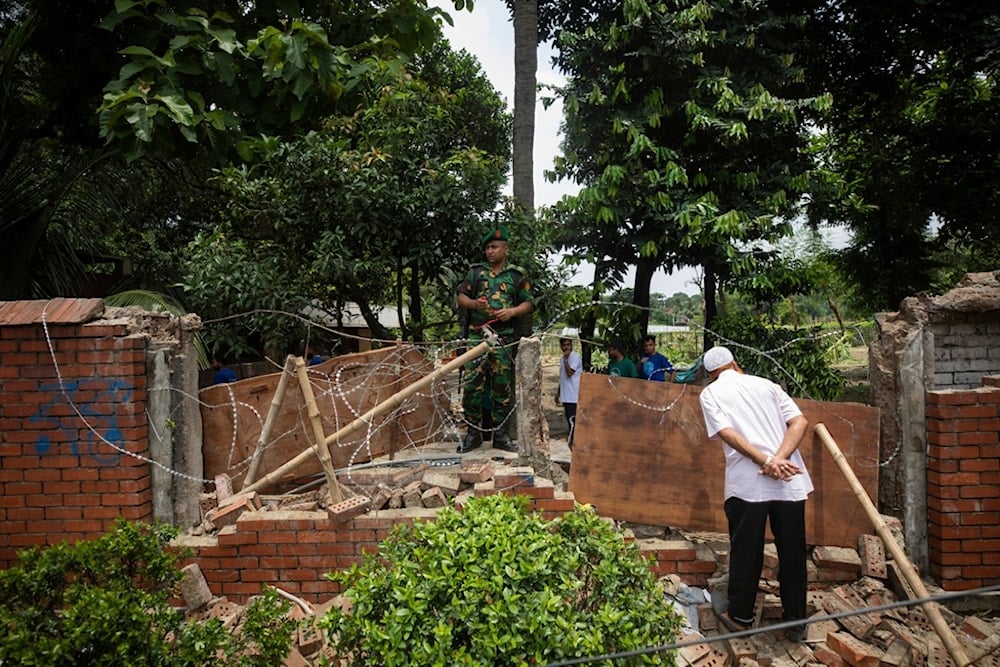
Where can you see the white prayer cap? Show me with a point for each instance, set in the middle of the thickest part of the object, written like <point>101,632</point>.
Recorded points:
<point>717,357</point>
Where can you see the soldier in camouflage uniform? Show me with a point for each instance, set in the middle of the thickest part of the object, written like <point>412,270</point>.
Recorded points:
<point>495,294</point>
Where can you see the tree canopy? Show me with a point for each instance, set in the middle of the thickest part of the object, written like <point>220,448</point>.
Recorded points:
<point>912,139</point>
<point>686,127</point>
<point>378,207</point>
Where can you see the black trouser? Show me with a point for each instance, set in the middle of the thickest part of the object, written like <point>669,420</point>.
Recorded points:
<point>747,522</point>
<point>569,409</point>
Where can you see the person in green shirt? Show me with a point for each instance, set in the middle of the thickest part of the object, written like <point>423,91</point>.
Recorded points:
<point>618,363</point>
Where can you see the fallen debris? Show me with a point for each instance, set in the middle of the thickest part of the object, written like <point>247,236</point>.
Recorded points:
<point>845,583</point>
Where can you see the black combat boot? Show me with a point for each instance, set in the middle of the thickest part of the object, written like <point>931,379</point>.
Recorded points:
<point>472,440</point>
<point>502,441</point>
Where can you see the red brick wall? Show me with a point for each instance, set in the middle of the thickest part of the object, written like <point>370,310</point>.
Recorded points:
<point>963,486</point>
<point>58,479</point>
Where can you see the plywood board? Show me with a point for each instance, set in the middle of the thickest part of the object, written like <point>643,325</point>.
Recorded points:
<point>641,454</point>
<point>345,388</point>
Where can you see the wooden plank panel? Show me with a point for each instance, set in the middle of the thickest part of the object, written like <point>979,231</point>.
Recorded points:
<point>640,454</point>
<point>345,387</point>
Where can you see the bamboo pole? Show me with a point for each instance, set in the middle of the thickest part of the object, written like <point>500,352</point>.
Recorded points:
<point>272,416</point>
<point>390,403</point>
<point>908,570</point>
<point>319,438</point>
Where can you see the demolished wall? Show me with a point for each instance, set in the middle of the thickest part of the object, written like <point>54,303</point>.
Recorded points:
<point>76,379</point>
<point>944,342</point>
<point>84,389</point>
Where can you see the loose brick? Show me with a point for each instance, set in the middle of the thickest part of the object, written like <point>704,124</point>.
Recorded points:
<point>872,553</point>
<point>449,483</point>
<point>238,505</point>
<point>837,558</point>
<point>406,476</point>
<point>223,488</point>
<point>845,598</point>
<point>691,654</point>
<point>294,659</point>
<point>977,628</point>
<point>412,495</point>
<point>194,588</point>
<point>207,503</point>
<point>827,656</point>
<point>433,497</point>
<point>898,654</point>
<point>741,647</point>
<point>474,471</point>
<point>854,652</point>
<point>381,499</point>
<point>348,509</point>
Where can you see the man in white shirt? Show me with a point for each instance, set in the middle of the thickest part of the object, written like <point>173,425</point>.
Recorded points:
<point>570,368</point>
<point>766,480</point>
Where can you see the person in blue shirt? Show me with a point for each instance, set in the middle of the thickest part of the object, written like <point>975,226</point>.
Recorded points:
<point>653,365</point>
<point>312,356</point>
<point>223,374</point>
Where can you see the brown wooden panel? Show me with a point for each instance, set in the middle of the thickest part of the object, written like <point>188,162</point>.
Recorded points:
<point>641,454</point>
<point>345,388</point>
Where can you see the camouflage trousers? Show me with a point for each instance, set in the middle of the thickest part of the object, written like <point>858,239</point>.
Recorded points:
<point>489,383</point>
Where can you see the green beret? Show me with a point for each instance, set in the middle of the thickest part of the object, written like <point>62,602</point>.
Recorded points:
<point>498,233</point>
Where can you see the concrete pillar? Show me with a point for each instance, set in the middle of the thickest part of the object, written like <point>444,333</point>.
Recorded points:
<point>175,423</point>
<point>532,428</point>
<point>160,430</point>
<point>187,425</point>
<point>916,375</point>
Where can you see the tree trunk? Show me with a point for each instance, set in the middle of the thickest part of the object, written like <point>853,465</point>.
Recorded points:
<point>644,270</point>
<point>711,307</point>
<point>525,68</point>
<point>416,319</point>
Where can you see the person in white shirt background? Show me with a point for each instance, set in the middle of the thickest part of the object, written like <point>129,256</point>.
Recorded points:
<point>570,368</point>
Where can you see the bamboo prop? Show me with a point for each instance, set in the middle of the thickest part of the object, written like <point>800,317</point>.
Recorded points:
<point>390,403</point>
<point>319,438</point>
<point>272,416</point>
<point>908,570</point>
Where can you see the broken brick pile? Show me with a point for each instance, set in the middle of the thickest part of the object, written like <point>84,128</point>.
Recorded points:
<point>290,542</point>
<point>900,637</point>
<point>897,637</point>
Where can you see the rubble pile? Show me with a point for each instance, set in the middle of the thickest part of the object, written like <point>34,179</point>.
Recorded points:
<point>426,484</point>
<point>845,583</point>
<point>858,635</point>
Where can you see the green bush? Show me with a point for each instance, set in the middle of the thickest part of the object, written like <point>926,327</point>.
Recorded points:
<point>491,584</point>
<point>106,602</point>
<point>801,359</point>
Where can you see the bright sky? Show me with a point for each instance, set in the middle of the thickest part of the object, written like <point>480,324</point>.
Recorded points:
<point>487,33</point>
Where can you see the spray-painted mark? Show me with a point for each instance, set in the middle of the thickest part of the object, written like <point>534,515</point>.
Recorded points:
<point>103,427</point>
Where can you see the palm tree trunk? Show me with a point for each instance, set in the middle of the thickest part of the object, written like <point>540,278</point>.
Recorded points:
<point>525,68</point>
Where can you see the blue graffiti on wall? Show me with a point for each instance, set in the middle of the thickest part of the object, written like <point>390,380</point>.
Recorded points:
<point>103,423</point>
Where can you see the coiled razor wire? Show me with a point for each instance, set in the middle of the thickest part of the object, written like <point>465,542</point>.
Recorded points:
<point>334,388</point>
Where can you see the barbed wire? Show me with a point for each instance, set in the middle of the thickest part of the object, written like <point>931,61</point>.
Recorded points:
<point>785,625</point>
<point>339,390</point>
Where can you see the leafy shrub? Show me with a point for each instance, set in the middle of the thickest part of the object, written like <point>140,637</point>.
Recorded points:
<point>799,358</point>
<point>106,602</point>
<point>491,584</point>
